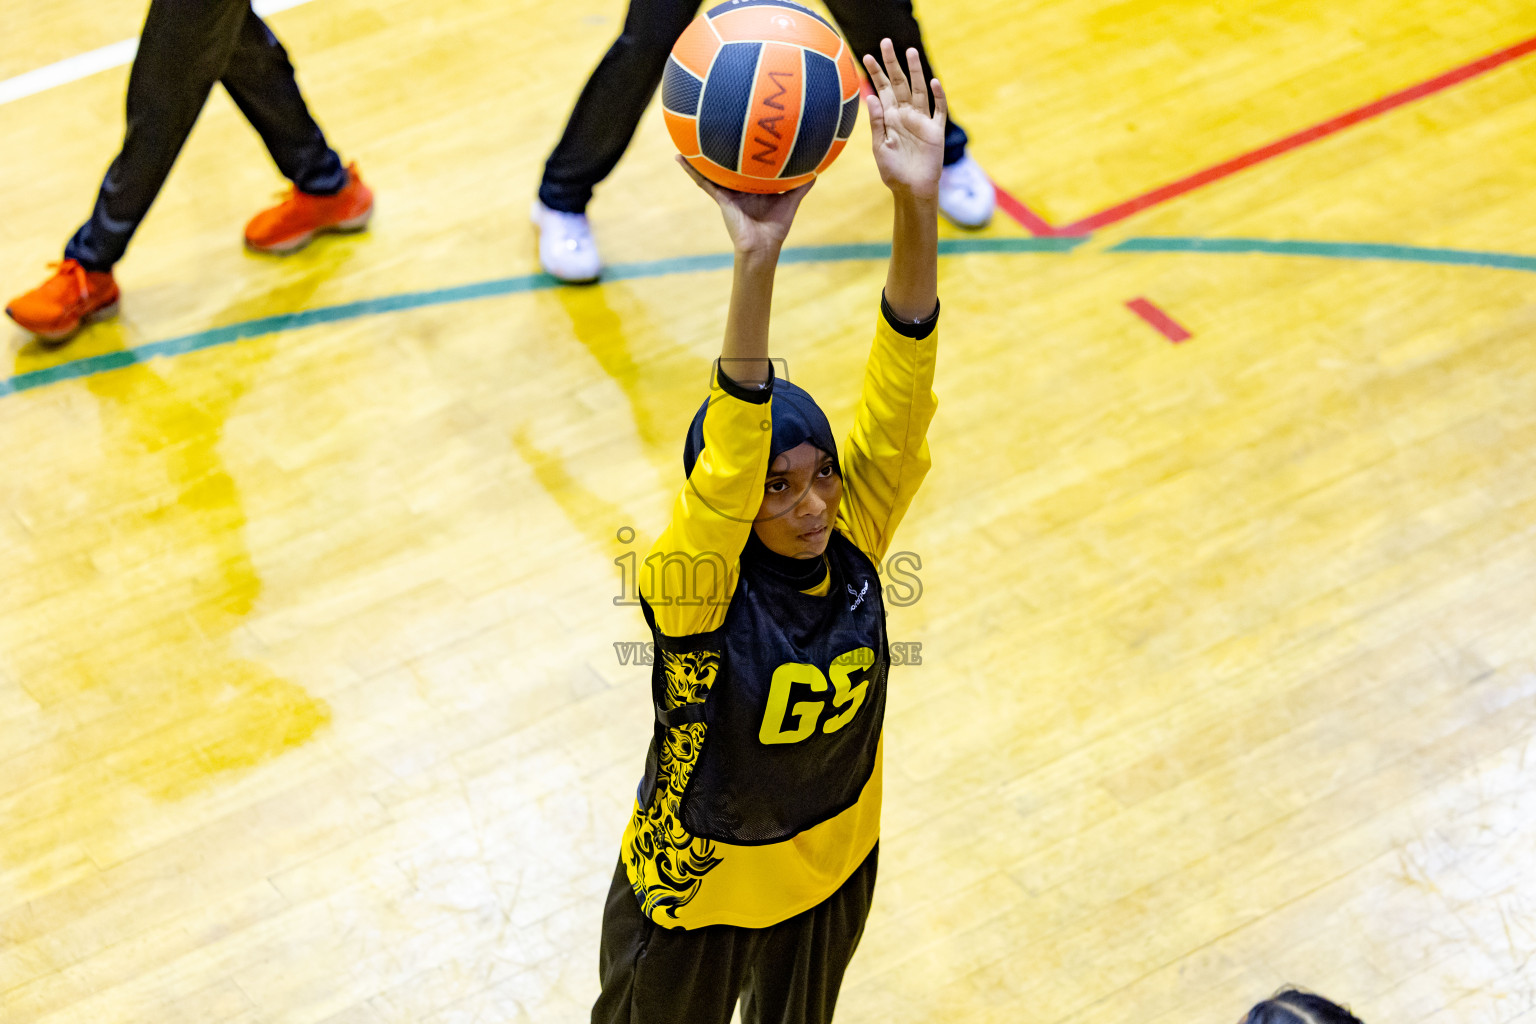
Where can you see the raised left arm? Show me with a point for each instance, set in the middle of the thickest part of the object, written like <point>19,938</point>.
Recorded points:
<point>887,452</point>
<point>907,135</point>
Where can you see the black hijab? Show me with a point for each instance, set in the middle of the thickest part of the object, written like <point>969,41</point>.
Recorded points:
<point>796,419</point>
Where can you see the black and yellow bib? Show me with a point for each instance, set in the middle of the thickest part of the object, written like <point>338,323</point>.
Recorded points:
<point>794,714</point>
<point>793,708</point>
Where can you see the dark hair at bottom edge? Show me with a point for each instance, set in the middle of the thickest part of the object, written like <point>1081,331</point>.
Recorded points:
<point>1283,1007</point>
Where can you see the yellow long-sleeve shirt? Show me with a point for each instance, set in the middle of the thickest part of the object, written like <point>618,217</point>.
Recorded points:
<point>689,881</point>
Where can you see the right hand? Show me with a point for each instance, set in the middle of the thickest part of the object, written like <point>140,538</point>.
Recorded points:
<point>756,223</point>
<point>908,139</point>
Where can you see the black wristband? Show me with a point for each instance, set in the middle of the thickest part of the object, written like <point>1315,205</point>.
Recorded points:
<point>756,395</point>
<point>907,328</point>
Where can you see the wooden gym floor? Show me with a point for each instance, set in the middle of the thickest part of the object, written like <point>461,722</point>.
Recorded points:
<point>310,709</point>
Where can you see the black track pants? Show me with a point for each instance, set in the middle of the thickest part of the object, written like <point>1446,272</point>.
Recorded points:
<point>789,973</point>
<point>609,108</point>
<point>185,47</point>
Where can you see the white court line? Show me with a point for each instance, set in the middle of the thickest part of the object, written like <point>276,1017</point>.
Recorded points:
<point>84,65</point>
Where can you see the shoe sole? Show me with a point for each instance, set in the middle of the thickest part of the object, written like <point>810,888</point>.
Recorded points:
<point>967,225</point>
<point>345,227</point>
<point>574,280</point>
<point>106,312</point>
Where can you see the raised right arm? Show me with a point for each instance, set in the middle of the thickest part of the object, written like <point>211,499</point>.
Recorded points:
<point>691,570</point>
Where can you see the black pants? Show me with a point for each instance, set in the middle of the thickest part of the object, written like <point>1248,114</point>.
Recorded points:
<point>609,108</point>
<point>185,47</point>
<point>787,974</point>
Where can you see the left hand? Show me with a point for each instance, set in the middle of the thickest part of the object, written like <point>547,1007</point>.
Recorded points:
<point>908,141</point>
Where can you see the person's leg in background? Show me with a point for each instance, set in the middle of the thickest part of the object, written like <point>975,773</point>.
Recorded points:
<point>325,196</point>
<point>966,195</point>
<point>186,46</point>
<point>182,51</point>
<point>600,128</point>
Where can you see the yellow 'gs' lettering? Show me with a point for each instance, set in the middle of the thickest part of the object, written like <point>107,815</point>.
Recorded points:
<point>846,692</point>
<point>806,712</point>
<point>842,668</point>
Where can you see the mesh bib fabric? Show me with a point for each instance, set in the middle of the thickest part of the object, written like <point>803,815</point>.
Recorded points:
<point>793,715</point>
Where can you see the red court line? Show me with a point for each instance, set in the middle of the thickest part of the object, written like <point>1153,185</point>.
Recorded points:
<point>1165,324</point>
<point>1177,188</point>
<point>1032,221</point>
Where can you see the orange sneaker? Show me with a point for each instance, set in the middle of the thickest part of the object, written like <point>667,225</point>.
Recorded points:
<point>56,309</point>
<point>295,221</point>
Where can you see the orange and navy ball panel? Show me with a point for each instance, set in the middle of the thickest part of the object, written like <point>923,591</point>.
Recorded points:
<point>742,183</point>
<point>775,112</point>
<point>680,91</point>
<point>848,65</point>
<point>695,48</point>
<point>725,102</point>
<point>684,132</point>
<point>822,111</point>
<point>741,5</point>
<point>774,21</point>
<point>848,119</point>
<point>837,147</point>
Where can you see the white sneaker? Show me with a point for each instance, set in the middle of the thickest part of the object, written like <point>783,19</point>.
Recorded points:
<point>566,247</point>
<point>966,195</point>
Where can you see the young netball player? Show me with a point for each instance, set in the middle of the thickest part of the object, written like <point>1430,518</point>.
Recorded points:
<point>749,863</point>
<point>609,109</point>
<point>186,46</point>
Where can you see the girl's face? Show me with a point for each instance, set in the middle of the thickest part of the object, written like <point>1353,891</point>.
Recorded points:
<point>800,499</point>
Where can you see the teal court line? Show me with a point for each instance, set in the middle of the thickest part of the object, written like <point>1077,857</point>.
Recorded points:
<point>1332,250</point>
<point>281,322</point>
